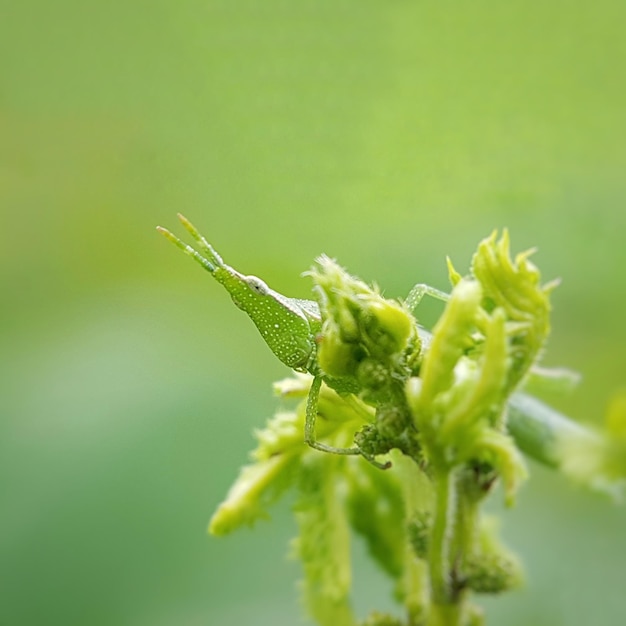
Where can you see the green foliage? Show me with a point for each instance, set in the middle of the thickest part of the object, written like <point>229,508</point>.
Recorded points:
<point>433,411</point>
<point>323,544</point>
<point>601,461</point>
<point>492,568</point>
<point>259,484</point>
<point>363,336</point>
<point>377,512</point>
<point>381,619</point>
<point>384,133</point>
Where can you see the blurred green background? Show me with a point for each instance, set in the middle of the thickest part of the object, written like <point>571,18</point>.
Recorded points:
<point>386,134</point>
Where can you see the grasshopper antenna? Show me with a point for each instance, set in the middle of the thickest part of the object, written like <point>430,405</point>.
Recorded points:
<point>211,262</point>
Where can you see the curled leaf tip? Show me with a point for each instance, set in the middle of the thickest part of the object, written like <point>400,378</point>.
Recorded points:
<point>453,276</point>
<point>505,241</point>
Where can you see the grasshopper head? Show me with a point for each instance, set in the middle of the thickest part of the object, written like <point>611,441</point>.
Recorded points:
<point>284,324</point>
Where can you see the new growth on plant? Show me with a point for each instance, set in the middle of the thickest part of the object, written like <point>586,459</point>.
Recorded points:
<point>417,427</point>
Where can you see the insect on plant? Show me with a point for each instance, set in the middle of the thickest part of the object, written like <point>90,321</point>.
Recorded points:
<point>293,329</point>
<point>447,406</point>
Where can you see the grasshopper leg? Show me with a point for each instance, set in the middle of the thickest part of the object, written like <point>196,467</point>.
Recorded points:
<point>419,291</point>
<point>309,429</point>
<point>311,418</point>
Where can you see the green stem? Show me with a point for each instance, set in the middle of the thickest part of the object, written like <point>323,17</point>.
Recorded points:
<point>444,608</point>
<point>445,615</point>
<point>466,523</point>
<point>417,492</point>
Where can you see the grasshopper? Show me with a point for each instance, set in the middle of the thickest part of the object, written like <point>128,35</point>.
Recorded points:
<point>291,327</point>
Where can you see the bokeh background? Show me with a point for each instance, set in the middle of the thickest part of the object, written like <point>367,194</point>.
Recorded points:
<point>386,134</point>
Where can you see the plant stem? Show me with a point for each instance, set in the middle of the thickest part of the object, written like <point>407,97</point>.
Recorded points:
<point>445,615</point>
<point>466,520</point>
<point>418,494</point>
<point>444,607</point>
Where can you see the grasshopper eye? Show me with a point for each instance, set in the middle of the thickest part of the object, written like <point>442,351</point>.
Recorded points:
<point>257,285</point>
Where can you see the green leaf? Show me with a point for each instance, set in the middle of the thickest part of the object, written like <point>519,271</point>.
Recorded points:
<point>261,483</point>
<point>323,544</point>
<point>376,511</point>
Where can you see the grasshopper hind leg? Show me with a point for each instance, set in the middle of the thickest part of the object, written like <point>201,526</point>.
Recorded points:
<point>309,430</point>
<point>419,291</point>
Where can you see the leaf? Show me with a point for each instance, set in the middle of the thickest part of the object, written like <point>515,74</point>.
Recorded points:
<point>376,512</point>
<point>323,544</point>
<point>261,483</point>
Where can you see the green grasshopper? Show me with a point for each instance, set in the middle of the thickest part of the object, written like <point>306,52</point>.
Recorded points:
<point>291,327</point>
